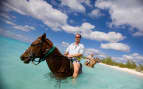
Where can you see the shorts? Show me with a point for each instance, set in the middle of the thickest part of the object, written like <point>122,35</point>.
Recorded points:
<point>75,60</point>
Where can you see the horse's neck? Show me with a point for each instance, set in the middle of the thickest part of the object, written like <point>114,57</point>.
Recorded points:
<point>56,54</point>
<point>58,63</point>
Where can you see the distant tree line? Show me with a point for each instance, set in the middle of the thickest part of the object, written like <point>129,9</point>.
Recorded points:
<point>129,64</point>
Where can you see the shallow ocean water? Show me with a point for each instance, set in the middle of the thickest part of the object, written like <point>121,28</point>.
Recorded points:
<point>14,74</point>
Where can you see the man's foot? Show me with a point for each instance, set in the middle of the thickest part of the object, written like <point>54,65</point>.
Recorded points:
<point>73,80</point>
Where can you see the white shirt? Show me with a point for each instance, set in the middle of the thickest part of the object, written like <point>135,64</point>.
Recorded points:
<point>75,49</point>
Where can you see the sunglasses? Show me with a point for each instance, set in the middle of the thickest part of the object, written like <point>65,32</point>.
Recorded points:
<point>77,37</point>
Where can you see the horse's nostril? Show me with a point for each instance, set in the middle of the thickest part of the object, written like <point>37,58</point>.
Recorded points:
<point>22,58</point>
<point>26,62</point>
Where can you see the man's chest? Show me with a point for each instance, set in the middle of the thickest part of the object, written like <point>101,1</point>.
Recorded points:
<point>74,48</point>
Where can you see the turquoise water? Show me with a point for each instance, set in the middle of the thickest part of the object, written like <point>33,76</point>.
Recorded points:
<point>14,74</point>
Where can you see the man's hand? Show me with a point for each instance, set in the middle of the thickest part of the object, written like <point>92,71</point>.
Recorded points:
<point>75,55</point>
<point>70,56</point>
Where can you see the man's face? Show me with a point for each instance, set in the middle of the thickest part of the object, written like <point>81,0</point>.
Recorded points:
<point>92,55</point>
<point>77,38</point>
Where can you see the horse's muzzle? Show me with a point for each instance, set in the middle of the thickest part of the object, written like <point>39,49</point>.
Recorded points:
<point>25,59</point>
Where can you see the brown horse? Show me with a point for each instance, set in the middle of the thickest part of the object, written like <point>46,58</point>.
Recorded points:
<point>43,48</point>
<point>92,62</point>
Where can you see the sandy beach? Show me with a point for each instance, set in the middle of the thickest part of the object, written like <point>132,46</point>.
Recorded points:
<point>124,69</point>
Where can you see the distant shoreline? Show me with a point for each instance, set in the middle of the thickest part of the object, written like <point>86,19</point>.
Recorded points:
<point>124,69</point>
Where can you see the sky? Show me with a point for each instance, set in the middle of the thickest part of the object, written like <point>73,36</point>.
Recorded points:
<point>109,28</point>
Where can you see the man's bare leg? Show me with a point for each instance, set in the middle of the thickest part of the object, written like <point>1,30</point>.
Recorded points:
<point>76,69</point>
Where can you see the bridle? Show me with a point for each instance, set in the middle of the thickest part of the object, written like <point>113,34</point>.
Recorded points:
<point>43,54</point>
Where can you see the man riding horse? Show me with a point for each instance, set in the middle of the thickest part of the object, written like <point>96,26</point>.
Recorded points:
<point>74,52</point>
<point>58,64</point>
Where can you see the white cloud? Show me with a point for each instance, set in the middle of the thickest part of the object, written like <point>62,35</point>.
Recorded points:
<point>73,29</point>
<point>102,36</point>
<point>70,29</point>
<point>38,9</point>
<point>74,5</point>
<point>85,30</point>
<point>9,22</point>
<point>87,26</point>
<point>5,15</point>
<point>134,56</point>
<point>65,44</point>
<point>25,28</point>
<point>95,13</point>
<point>116,46</point>
<point>57,20</point>
<point>124,12</point>
<point>10,34</point>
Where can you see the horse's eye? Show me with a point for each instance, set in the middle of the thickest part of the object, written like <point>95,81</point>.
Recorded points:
<point>32,44</point>
<point>40,41</point>
<point>47,49</point>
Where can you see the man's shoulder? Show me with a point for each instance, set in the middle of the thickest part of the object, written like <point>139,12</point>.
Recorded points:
<point>81,45</point>
<point>71,44</point>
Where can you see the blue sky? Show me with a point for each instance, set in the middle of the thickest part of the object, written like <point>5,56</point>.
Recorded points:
<point>108,27</point>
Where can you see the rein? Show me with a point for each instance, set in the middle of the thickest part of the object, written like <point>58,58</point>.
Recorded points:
<point>43,58</point>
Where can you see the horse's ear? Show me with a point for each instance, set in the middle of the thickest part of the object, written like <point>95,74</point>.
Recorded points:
<point>44,37</point>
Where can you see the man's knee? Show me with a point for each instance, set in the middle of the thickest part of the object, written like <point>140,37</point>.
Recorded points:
<point>76,65</point>
<point>76,71</point>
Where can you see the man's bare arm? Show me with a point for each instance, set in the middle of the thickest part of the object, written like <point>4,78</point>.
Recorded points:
<point>75,55</point>
<point>66,54</point>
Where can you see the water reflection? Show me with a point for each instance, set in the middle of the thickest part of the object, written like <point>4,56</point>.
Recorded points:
<point>58,81</point>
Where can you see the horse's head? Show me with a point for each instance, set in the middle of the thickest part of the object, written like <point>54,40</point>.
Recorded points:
<point>36,49</point>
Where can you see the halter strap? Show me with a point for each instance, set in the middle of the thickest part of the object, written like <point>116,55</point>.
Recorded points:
<point>48,53</point>
<point>44,58</point>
